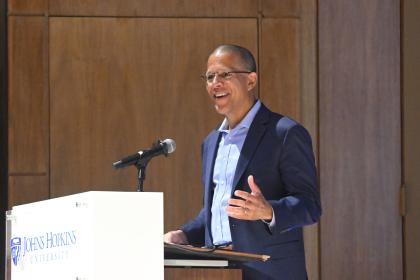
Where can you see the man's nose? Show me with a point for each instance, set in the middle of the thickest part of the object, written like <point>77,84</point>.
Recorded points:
<point>216,83</point>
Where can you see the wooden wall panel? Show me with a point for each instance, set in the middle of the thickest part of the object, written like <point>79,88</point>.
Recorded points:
<point>280,66</point>
<point>163,8</point>
<point>3,130</point>
<point>105,70</point>
<point>28,95</point>
<point>411,136</point>
<point>153,8</point>
<point>119,84</point>
<point>360,154</point>
<point>26,189</point>
<point>288,85</point>
<point>283,8</point>
<point>27,7</point>
<point>202,274</point>
<point>309,69</point>
<point>309,114</point>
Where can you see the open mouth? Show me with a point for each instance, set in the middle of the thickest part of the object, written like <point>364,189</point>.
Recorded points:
<point>220,95</point>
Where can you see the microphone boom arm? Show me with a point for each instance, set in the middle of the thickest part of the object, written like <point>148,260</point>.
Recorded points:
<point>142,158</point>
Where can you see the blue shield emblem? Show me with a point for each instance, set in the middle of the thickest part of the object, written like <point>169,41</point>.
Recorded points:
<point>15,249</point>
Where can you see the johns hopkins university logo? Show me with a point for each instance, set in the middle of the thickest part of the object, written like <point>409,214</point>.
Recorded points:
<point>42,248</point>
<point>16,249</point>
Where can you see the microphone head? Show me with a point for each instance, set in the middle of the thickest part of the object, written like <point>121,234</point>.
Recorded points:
<point>170,145</point>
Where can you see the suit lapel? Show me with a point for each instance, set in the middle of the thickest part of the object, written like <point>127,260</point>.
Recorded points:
<point>211,147</point>
<point>211,150</point>
<point>255,133</point>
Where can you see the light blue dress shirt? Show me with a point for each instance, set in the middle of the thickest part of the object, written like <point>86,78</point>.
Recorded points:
<point>230,147</point>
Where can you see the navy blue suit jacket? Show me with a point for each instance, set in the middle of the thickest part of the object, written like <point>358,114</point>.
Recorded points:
<point>278,152</point>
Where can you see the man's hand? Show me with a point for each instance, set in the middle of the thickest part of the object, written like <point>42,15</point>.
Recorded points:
<point>175,237</point>
<point>250,206</point>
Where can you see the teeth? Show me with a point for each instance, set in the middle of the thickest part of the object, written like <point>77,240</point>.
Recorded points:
<point>220,94</point>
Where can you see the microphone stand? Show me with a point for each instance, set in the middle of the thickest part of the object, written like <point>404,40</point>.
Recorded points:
<point>141,168</point>
<point>141,165</point>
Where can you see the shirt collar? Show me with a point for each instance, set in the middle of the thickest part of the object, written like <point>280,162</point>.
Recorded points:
<point>245,122</point>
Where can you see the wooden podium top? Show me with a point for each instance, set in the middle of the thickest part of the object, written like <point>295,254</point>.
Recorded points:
<point>176,251</point>
<point>205,263</point>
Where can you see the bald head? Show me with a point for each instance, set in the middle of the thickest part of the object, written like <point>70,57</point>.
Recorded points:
<point>246,59</point>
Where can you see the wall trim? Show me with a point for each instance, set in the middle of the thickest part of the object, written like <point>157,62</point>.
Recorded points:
<point>3,129</point>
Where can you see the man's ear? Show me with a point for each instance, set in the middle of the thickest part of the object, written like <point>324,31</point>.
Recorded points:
<point>252,80</point>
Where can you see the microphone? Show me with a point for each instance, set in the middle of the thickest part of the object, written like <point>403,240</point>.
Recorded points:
<point>164,147</point>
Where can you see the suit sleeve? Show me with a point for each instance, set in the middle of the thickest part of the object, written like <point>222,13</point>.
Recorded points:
<point>194,229</point>
<point>301,206</point>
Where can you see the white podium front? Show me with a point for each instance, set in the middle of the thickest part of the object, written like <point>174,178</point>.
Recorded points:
<point>88,236</point>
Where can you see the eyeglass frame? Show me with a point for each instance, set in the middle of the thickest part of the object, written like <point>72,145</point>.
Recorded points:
<point>225,75</point>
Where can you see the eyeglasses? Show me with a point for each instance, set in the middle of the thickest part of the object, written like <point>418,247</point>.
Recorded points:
<point>224,76</point>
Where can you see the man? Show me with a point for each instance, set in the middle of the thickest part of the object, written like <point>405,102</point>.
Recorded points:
<point>258,173</point>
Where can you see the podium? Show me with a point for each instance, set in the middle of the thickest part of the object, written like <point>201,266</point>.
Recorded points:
<point>87,236</point>
<point>103,236</point>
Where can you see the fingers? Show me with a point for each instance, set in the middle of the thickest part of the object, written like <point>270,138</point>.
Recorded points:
<point>175,237</point>
<point>254,188</point>
<point>246,209</point>
<point>237,202</point>
<point>247,196</point>
<point>239,213</point>
<point>249,206</point>
<point>236,210</point>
